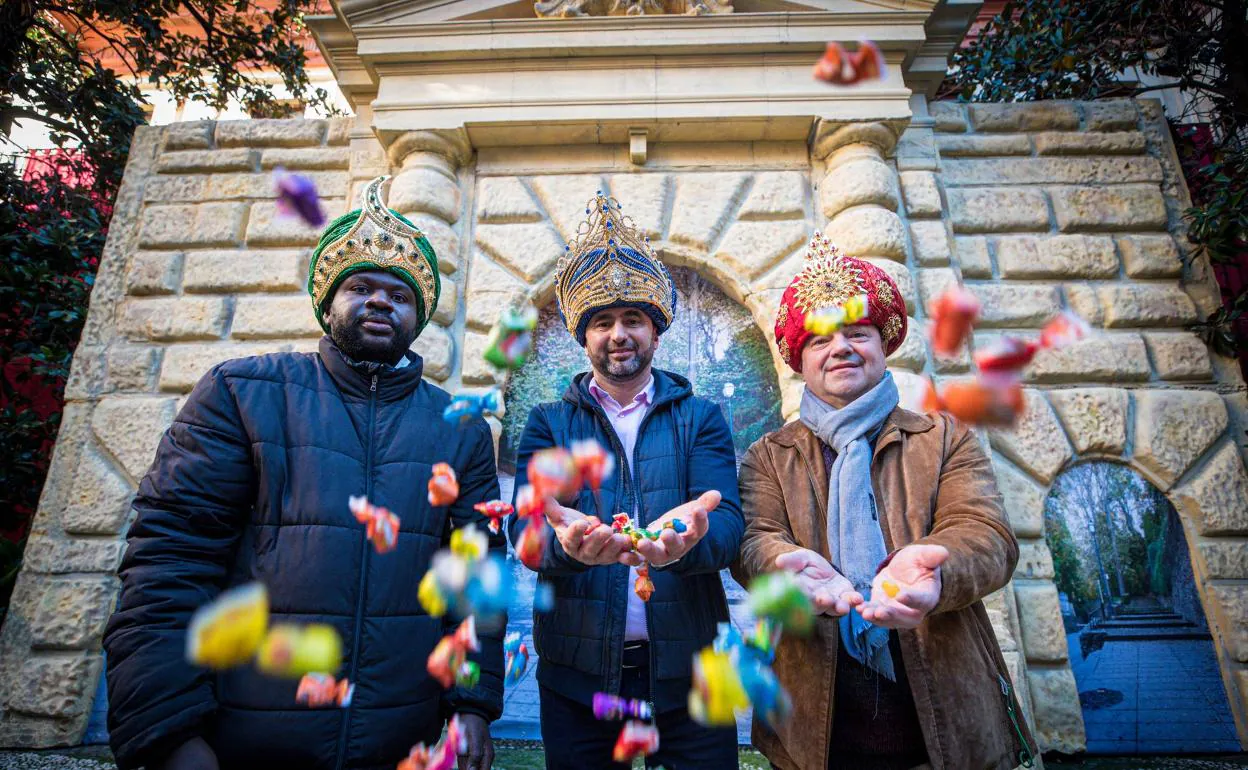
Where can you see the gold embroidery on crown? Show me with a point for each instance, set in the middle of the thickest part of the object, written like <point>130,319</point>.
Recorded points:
<point>892,327</point>
<point>826,279</point>
<point>884,293</point>
<point>784,348</point>
<point>782,317</point>
<point>381,238</point>
<point>606,228</point>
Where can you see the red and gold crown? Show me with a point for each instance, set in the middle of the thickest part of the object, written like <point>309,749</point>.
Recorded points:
<point>828,279</point>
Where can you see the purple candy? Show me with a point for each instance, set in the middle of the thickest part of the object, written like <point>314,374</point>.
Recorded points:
<point>296,197</point>
<point>607,706</point>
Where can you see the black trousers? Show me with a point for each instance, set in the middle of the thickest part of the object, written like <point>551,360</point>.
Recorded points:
<point>574,740</point>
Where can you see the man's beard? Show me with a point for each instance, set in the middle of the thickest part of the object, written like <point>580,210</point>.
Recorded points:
<point>358,346</point>
<point>620,371</point>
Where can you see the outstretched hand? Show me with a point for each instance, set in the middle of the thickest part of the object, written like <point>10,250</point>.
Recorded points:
<point>831,592</point>
<point>480,753</point>
<point>913,576</point>
<point>602,545</point>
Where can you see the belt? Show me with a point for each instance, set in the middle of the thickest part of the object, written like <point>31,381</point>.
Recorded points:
<point>636,655</point>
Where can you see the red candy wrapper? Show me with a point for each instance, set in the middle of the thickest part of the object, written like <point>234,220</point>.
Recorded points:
<point>952,316</point>
<point>528,504</point>
<point>978,402</point>
<point>643,586</point>
<point>637,739</point>
<point>532,545</point>
<point>1065,329</point>
<point>444,486</point>
<point>443,756</point>
<point>448,657</point>
<point>496,510</point>
<point>867,63</point>
<point>382,525</point>
<point>552,473</point>
<point>1007,354</point>
<point>320,690</point>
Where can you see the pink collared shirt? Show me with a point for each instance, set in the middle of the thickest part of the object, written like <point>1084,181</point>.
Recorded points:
<point>626,420</point>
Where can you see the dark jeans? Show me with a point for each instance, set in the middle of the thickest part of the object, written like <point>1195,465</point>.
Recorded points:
<point>574,740</point>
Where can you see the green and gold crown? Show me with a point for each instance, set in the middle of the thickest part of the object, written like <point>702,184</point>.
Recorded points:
<point>610,264</point>
<point>374,237</point>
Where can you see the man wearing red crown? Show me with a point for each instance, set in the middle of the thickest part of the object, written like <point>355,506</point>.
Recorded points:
<point>892,524</point>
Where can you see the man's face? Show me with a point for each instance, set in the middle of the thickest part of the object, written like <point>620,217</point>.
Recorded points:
<point>620,343</point>
<point>840,368</point>
<point>373,316</point>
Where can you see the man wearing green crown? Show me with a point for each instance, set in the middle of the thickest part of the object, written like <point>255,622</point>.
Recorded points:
<point>610,630</point>
<point>251,483</point>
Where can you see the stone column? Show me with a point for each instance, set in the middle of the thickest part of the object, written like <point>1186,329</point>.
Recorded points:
<point>426,189</point>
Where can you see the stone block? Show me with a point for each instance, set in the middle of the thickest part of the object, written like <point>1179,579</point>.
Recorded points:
<point>1122,207</point>
<point>199,161</point>
<point>935,281</point>
<point>901,276</point>
<point>1036,443</point>
<point>1040,618</point>
<point>274,317</point>
<point>209,224</point>
<point>339,131</point>
<point>997,210</point>
<point>1099,358</point>
<point>475,370</point>
<point>931,243</point>
<point>490,288</point>
<point>564,197</point>
<point>448,303</point>
<point>329,184</point>
<point>131,428</point>
<point>1150,256</point>
<point>1084,300</point>
<point>972,256</point>
<point>246,271</point>
<point>857,182</point>
<point>307,158</point>
<point>49,555</point>
<point>442,238</point>
<point>916,150</point>
<point>1224,559</point>
<point>911,354</point>
<point>921,193</point>
<point>1095,418</point>
<point>963,146</point>
<point>99,500</point>
<point>154,272</point>
<point>296,132</point>
<point>1173,428</point>
<point>774,195</point>
<point>267,227</point>
<point>531,250</point>
<point>184,365</point>
<point>1059,256</point>
<point>177,188</point>
<point>1179,355</point>
<point>1024,499</point>
<point>868,231</point>
<point>1110,114</point>
<point>948,116</point>
<point>189,135</point>
<point>644,198</point>
<point>55,685</point>
<point>72,612</point>
<point>1015,304</point>
<point>703,205</point>
<point>961,172</point>
<point>170,319</point>
<point>1230,609</point>
<point>1035,562</point>
<point>131,367</point>
<point>436,347</point>
<point>1216,497</point>
<point>1024,116</point>
<point>426,190</point>
<point>1059,718</point>
<point>1137,305</point>
<point>751,248</point>
<point>503,200</point>
<point>1078,143</point>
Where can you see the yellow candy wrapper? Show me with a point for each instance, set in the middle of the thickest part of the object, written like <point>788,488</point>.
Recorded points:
<point>470,543</point>
<point>891,589</point>
<point>430,595</point>
<point>227,632</point>
<point>717,694</point>
<point>292,651</point>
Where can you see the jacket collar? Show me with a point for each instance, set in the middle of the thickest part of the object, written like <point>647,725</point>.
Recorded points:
<point>668,386</point>
<point>355,378</point>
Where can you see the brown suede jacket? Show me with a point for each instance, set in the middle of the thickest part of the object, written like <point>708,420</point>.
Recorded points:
<point>933,484</point>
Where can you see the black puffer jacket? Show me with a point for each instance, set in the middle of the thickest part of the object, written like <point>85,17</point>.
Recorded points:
<point>251,483</point>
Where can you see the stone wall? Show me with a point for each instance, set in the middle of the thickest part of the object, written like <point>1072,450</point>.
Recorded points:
<point>1033,207</point>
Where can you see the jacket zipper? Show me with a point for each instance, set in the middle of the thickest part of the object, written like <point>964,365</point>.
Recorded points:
<point>363,584</point>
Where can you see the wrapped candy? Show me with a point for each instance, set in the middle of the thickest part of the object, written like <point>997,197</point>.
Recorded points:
<point>227,632</point>
<point>867,63</point>
<point>770,701</point>
<point>443,756</point>
<point>1064,329</point>
<point>292,651</point>
<point>496,511</point>
<point>594,464</point>
<point>607,706</point>
<point>637,739</point>
<point>431,596</point>
<point>469,543</point>
<point>891,589</point>
<point>528,504</point>
<point>953,314</point>
<point>552,473</point>
<point>512,338</point>
<point>1009,355</point>
<point>777,597</point>
<point>543,597</point>
<point>997,402</point>
<point>382,525</point>
<point>297,198</point>
<point>448,663</point>
<point>516,658</point>
<point>532,545</point>
<point>320,690</point>
<point>830,320</point>
<point>489,589</point>
<point>749,661</point>
<point>466,406</point>
<point>717,694</point>
<point>443,485</point>
<point>643,586</point>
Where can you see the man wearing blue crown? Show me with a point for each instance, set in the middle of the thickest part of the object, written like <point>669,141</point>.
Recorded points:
<point>674,460</point>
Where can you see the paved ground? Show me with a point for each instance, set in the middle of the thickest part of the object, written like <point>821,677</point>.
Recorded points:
<point>1153,697</point>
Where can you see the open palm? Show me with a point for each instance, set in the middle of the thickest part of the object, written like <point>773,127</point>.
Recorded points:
<point>830,591</point>
<point>913,577</point>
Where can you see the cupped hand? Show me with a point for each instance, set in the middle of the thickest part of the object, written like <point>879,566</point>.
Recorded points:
<point>671,545</point>
<point>592,547</point>
<point>830,591</point>
<point>913,576</point>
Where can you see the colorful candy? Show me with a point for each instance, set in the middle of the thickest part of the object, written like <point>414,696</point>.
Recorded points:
<point>953,314</point>
<point>489,589</point>
<point>320,690</point>
<point>443,485</point>
<point>382,525</point>
<point>553,473</point>
<point>296,197</point>
<point>829,320</point>
<point>978,402</point>
<point>528,504</point>
<point>777,597</point>
<point>867,63</point>
<point>227,632</point>
<point>516,659</point>
<point>443,756</point>
<point>469,543</point>
<point>466,406</point>
<point>512,338</point>
<point>1066,328</point>
<point>891,589</point>
<point>637,739</point>
<point>1005,355</point>
<point>431,596</point>
<point>717,694</point>
<point>532,545</point>
<point>449,664</point>
<point>496,511</point>
<point>740,674</point>
<point>543,597</point>
<point>607,706</point>
<point>643,586</point>
<point>292,651</point>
